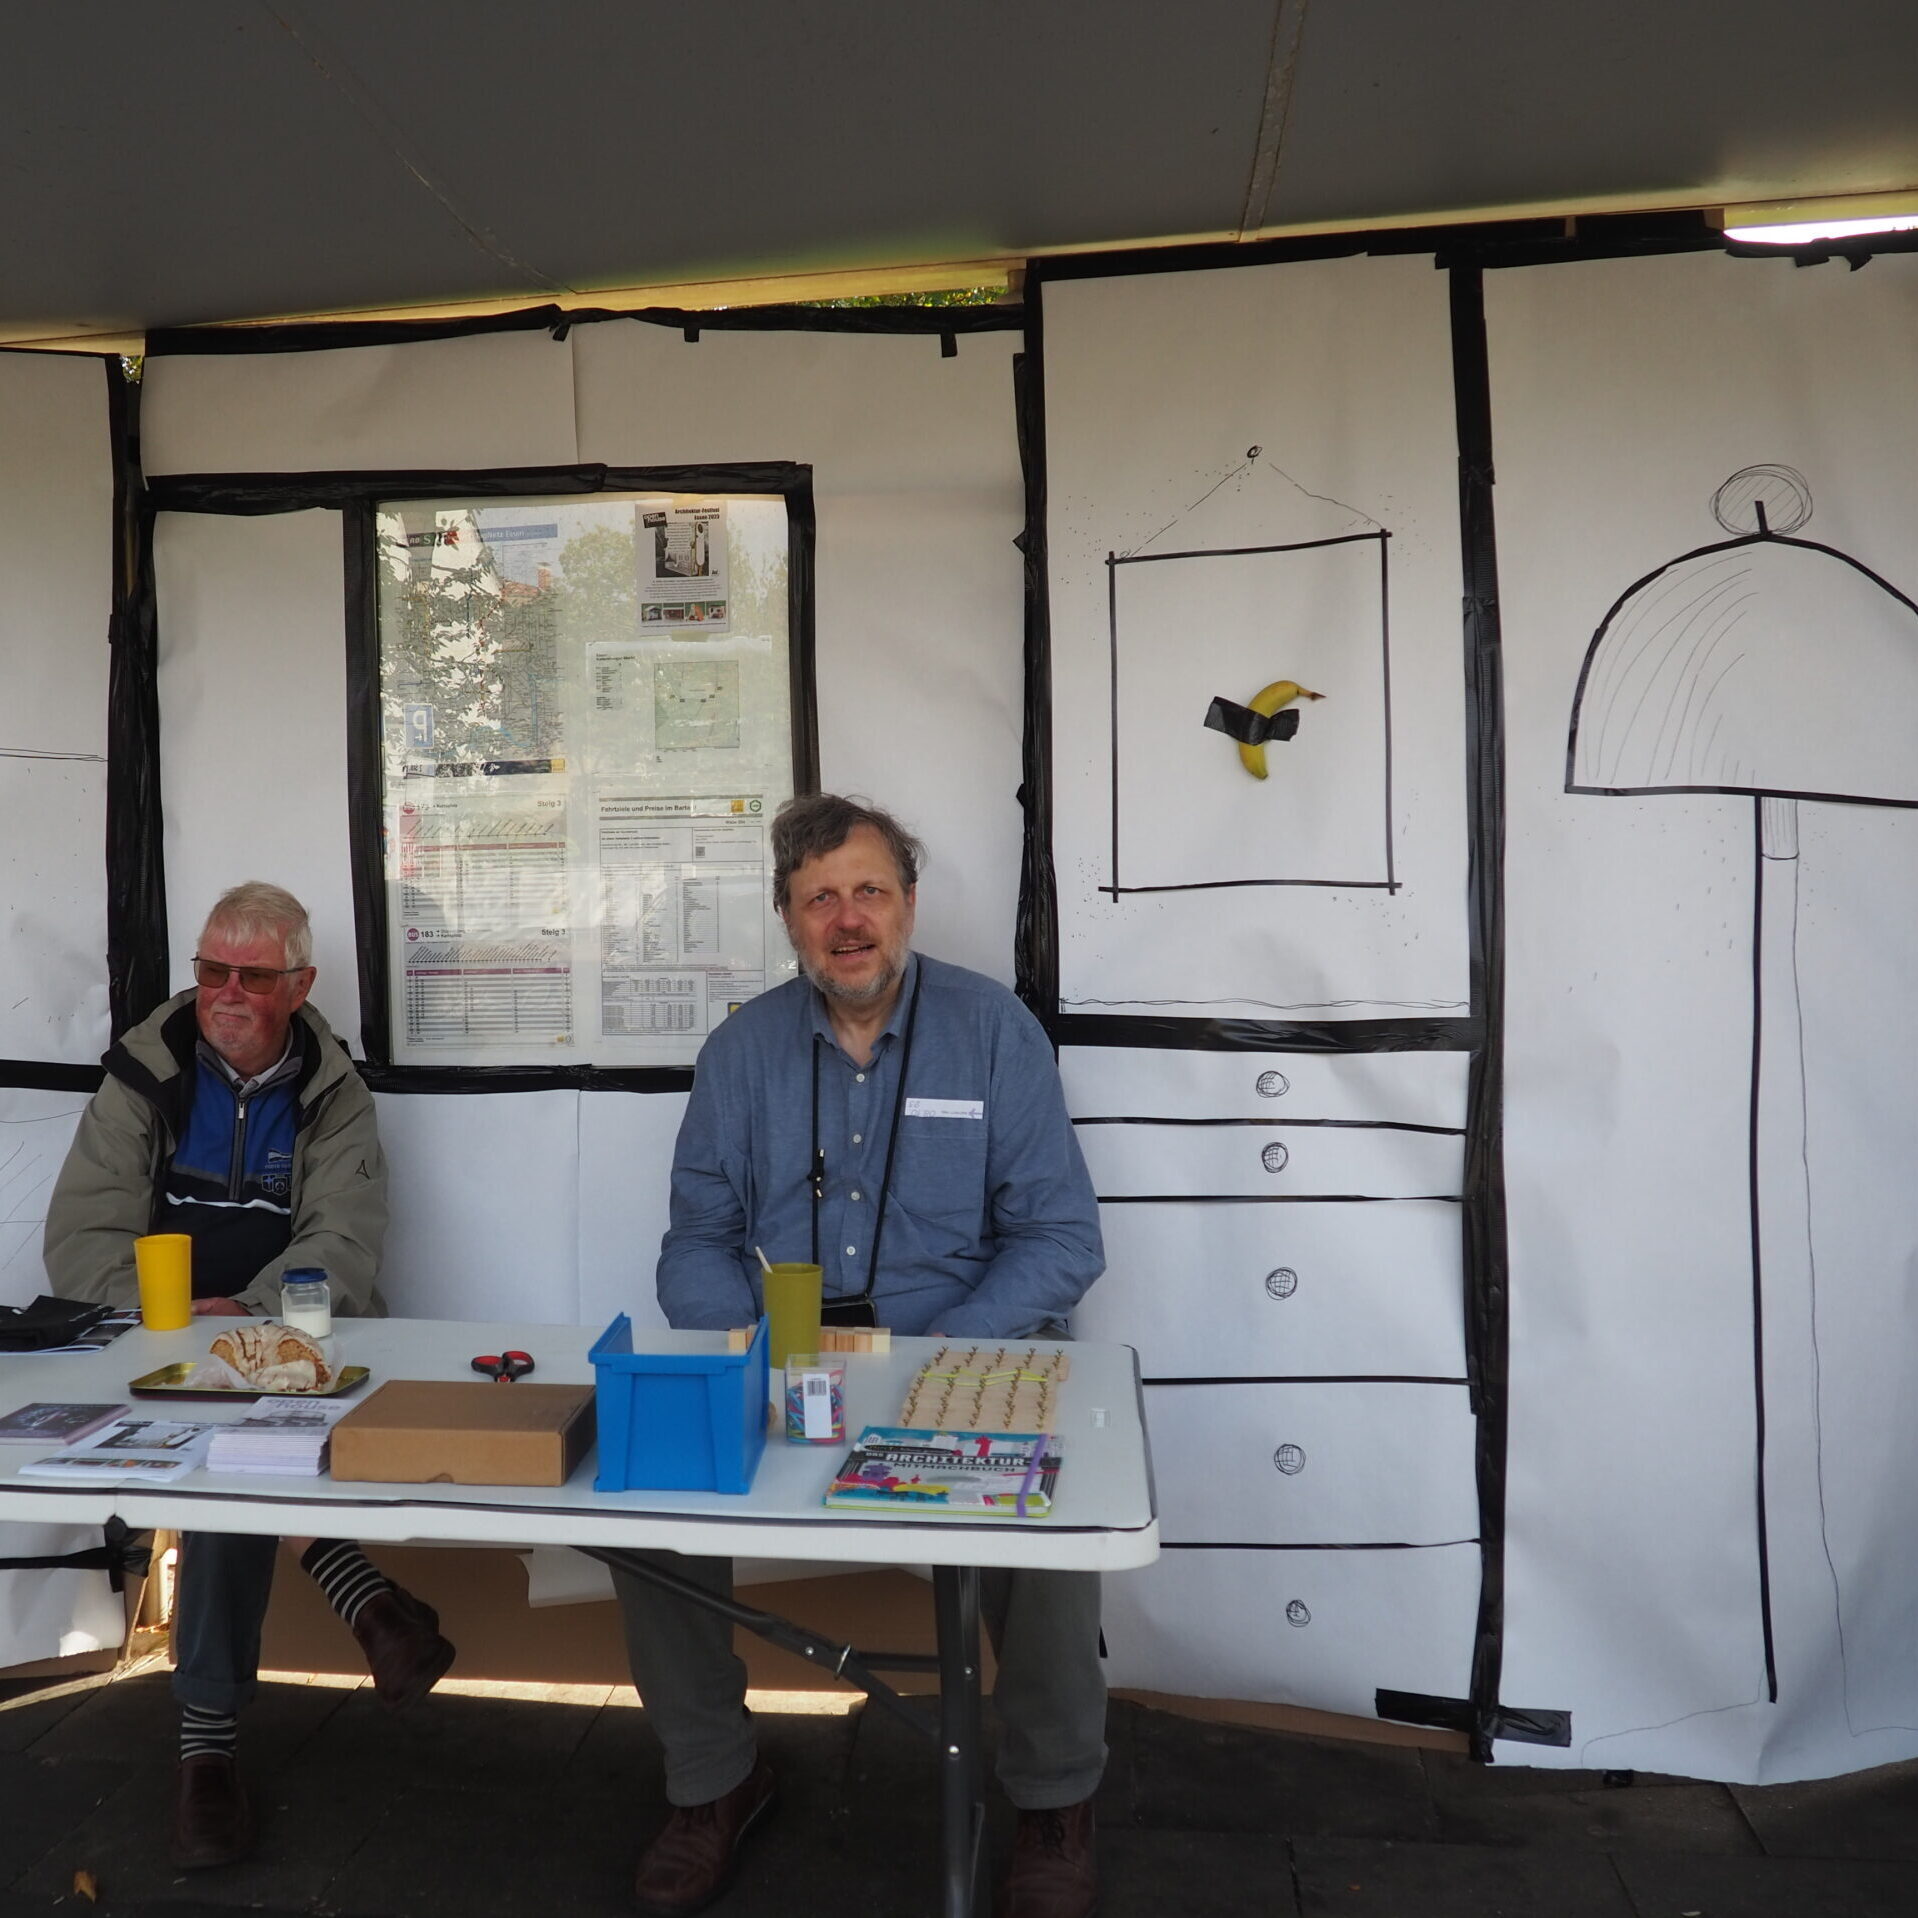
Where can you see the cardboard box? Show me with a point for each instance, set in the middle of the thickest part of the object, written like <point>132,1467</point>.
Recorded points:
<point>426,1431</point>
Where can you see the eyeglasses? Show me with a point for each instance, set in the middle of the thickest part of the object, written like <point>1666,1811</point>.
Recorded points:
<point>254,979</point>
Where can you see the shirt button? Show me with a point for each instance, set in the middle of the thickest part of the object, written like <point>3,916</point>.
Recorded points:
<point>859,1078</point>
<point>852,1252</point>
<point>857,1137</point>
<point>855,1195</point>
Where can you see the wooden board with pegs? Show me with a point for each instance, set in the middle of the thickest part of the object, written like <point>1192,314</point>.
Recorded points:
<point>984,1388</point>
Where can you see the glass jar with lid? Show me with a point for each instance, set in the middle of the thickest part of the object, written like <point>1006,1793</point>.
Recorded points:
<point>306,1301</point>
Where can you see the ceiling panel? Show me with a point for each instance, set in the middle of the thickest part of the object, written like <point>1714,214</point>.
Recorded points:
<point>238,159</point>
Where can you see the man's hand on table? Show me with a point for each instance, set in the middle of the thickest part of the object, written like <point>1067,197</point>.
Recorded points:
<point>225,1308</point>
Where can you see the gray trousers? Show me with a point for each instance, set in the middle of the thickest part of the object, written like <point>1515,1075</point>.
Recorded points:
<point>1050,1696</point>
<point>225,1582</point>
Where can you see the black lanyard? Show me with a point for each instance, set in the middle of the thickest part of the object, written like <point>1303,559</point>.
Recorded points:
<point>817,1177</point>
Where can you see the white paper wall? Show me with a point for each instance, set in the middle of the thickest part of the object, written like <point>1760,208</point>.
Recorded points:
<point>35,1130</point>
<point>485,1207</point>
<point>1157,386</point>
<point>253,730</point>
<point>42,1614</point>
<point>550,1206</point>
<point>1625,393</point>
<point>1282,1229</point>
<point>56,547</point>
<point>917,486</point>
<point>493,399</point>
<point>55,1614</point>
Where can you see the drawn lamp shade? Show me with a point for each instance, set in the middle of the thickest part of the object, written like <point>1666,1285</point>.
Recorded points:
<point>1779,669</point>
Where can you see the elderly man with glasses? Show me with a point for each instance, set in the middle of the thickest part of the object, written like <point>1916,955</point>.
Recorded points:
<point>234,1115</point>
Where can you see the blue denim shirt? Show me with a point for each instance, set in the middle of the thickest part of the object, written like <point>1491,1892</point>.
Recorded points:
<point>991,1224</point>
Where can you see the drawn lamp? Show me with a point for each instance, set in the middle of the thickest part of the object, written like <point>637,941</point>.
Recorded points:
<point>1772,667</point>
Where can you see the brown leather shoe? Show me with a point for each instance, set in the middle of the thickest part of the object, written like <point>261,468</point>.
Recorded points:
<point>400,1636</point>
<point>1055,1870</point>
<point>694,1859</point>
<point>212,1815</point>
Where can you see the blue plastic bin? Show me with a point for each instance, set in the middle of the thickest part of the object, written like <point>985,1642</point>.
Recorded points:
<point>678,1421</point>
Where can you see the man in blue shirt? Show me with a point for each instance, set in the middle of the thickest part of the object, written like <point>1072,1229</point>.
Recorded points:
<point>899,1122</point>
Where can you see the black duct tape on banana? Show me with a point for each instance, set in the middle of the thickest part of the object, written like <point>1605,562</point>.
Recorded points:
<point>1250,728</point>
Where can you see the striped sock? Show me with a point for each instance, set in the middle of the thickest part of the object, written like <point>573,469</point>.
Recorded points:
<point>206,1733</point>
<point>344,1573</point>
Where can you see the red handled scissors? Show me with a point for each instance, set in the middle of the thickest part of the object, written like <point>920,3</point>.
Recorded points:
<point>504,1367</point>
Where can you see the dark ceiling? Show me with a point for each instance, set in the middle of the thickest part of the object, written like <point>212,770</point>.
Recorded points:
<point>234,159</point>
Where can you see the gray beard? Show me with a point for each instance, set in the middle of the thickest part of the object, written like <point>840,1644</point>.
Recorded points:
<point>853,995</point>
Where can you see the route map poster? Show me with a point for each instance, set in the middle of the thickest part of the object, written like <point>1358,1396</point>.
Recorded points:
<point>586,730</point>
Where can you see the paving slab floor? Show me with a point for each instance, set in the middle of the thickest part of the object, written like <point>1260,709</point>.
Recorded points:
<point>488,1803</point>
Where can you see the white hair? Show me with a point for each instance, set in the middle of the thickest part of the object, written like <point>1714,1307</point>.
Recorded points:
<point>254,909</point>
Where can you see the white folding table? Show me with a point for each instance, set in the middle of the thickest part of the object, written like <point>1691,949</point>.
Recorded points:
<point>1104,1516</point>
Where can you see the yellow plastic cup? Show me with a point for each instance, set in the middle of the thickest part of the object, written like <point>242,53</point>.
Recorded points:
<point>164,1261</point>
<point>792,1307</point>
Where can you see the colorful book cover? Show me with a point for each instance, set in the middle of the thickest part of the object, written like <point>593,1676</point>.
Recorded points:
<point>895,1468</point>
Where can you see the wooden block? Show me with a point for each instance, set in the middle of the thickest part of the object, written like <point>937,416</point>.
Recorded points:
<point>739,1338</point>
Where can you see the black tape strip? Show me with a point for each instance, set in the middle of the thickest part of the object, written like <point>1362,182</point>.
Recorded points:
<point>1313,1545</point>
<point>801,626</point>
<point>1487,242</point>
<point>1276,1122</point>
<point>1278,1198</point>
<point>256,493</point>
<point>1313,1378</point>
<point>121,1553</point>
<point>1170,1033</point>
<point>1250,728</point>
<point>1456,1715</point>
<point>36,1075</point>
<point>1855,253</point>
<point>1487,1329</point>
<point>1036,934</point>
<point>365,808</point>
<point>443,1079</point>
<point>322,336</point>
<point>137,967</point>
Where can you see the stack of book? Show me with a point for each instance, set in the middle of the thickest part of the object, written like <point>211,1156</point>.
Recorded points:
<point>935,1474</point>
<point>285,1438</point>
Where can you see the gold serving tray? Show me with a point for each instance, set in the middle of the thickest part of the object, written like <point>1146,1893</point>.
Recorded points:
<point>176,1382</point>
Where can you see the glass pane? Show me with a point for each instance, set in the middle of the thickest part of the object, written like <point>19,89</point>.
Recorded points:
<point>586,730</point>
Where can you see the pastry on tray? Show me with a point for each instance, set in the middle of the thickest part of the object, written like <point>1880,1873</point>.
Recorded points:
<point>273,1357</point>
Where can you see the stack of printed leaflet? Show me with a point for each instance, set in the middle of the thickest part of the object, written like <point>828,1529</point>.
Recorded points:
<point>284,1438</point>
<point>130,1451</point>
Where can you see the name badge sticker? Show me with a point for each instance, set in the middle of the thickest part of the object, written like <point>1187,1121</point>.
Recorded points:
<point>945,1108</point>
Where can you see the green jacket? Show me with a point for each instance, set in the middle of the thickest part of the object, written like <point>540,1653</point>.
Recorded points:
<point>108,1190</point>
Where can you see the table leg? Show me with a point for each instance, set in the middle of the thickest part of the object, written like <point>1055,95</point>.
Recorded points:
<point>955,1590</point>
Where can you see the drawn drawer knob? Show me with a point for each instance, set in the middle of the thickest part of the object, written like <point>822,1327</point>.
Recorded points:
<point>1272,1085</point>
<point>1290,1459</point>
<point>1274,1156</point>
<point>1296,1613</point>
<point>1281,1282</point>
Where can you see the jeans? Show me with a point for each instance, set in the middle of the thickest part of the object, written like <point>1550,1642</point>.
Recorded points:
<point>1050,1696</point>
